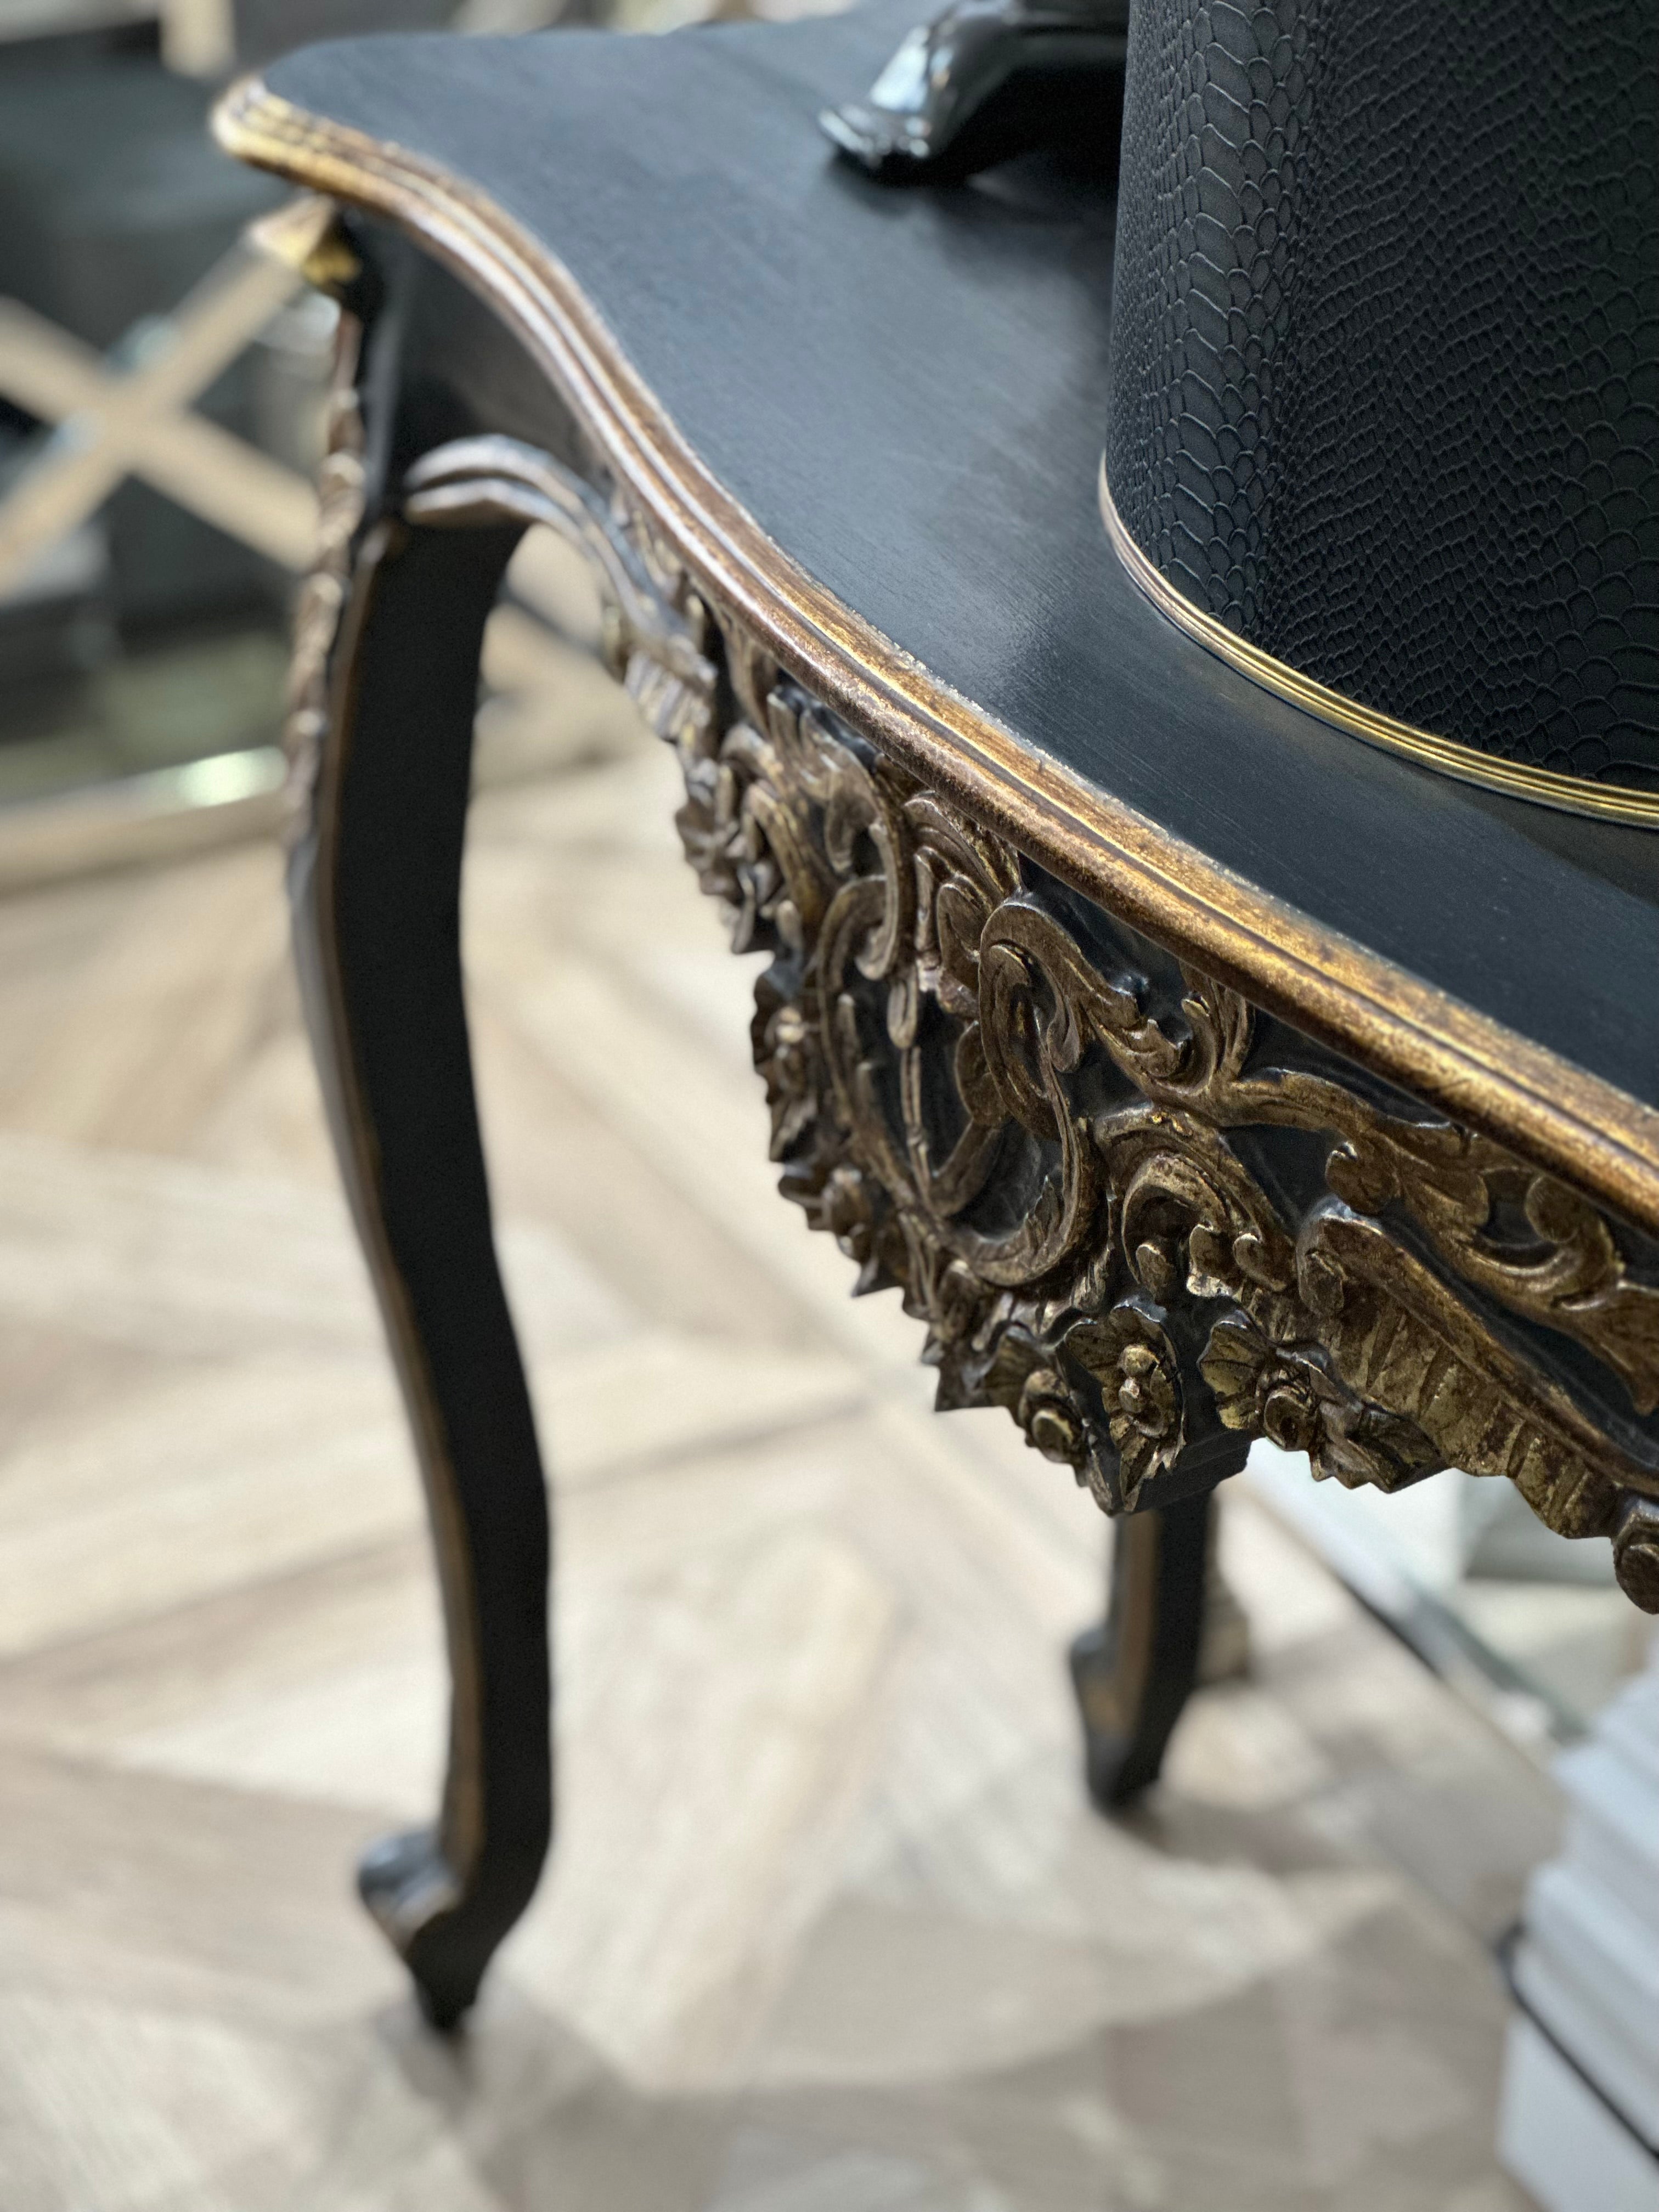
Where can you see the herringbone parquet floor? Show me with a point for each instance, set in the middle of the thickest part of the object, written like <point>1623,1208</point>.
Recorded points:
<point>829,1928</point>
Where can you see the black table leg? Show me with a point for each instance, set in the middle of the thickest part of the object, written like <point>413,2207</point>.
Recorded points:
<point>1133,1676</point>
<point>375,884</point>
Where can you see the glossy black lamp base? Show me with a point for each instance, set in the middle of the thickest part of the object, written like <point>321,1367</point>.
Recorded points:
<point>984,82</point>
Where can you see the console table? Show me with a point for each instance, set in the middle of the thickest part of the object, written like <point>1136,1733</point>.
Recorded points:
<point>1194,1072</point>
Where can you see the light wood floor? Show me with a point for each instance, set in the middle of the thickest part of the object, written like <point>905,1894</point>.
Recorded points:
<point>829,1928</point>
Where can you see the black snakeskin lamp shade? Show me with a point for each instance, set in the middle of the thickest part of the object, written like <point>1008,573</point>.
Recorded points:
<point>1384,410</point>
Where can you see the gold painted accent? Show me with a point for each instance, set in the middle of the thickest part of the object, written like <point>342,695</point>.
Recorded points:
<point>305,235</point>
<point>1635,1554</point>
<point>985,1112</point>
<point>319,605</point>
<point>1476,1070</point>
<point>1569,794</point>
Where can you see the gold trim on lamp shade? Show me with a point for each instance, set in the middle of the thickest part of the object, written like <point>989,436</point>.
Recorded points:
<point>1571,794</point>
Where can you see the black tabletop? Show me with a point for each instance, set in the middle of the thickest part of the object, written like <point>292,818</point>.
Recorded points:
<point>905,388</point>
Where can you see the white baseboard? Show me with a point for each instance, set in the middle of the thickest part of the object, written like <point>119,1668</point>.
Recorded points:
<point>1561,2141</point>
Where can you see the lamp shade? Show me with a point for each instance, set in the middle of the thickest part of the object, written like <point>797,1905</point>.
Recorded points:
<point>1383,419</point>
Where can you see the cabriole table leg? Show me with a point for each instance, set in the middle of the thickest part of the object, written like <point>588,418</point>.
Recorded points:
<point>374,880</point>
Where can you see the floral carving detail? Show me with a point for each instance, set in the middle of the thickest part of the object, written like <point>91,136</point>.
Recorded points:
<point>1636,1553</point>
<point>1289,1394</point>
<point>1052,1421</point>
<point>1121,1214</point>
<point>1129,1355</point>
<point>935,1036</point>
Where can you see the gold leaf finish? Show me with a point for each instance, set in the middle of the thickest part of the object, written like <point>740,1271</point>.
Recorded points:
<point>936,1040</point>
<point>1142,1216</point>
<point>1130,1207</point>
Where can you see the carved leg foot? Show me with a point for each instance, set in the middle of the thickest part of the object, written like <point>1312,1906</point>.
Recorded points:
<point>407,1884</point>
<point>1133,1676</point>
<point>374,880</point>
<point>983,82</point>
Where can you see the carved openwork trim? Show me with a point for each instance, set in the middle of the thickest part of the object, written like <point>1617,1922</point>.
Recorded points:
<point>1126,1206</point>
<point>1605,1141</point>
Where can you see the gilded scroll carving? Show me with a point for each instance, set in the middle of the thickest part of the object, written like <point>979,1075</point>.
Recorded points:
<point>987,1115</point>
<point>984,1093</point>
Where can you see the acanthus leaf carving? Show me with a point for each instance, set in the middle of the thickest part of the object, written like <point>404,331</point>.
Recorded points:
<point>934,1044</point>
<point>1290,1394</point>
<point>992,1109</point>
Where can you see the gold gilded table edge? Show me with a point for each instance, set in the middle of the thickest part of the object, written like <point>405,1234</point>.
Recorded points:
<point>1599,1138</point>
<point>1543,787</point>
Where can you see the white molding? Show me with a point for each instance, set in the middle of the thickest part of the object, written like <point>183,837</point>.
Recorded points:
<point>1586,1971</point>
<point>1561,2141</point>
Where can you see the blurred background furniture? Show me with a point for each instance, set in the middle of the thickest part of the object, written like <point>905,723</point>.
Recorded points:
<point>1085,1026</point>
<point>161,395</point>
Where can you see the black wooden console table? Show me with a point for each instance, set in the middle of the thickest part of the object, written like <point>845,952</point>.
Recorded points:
<point>1194,1072</point>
